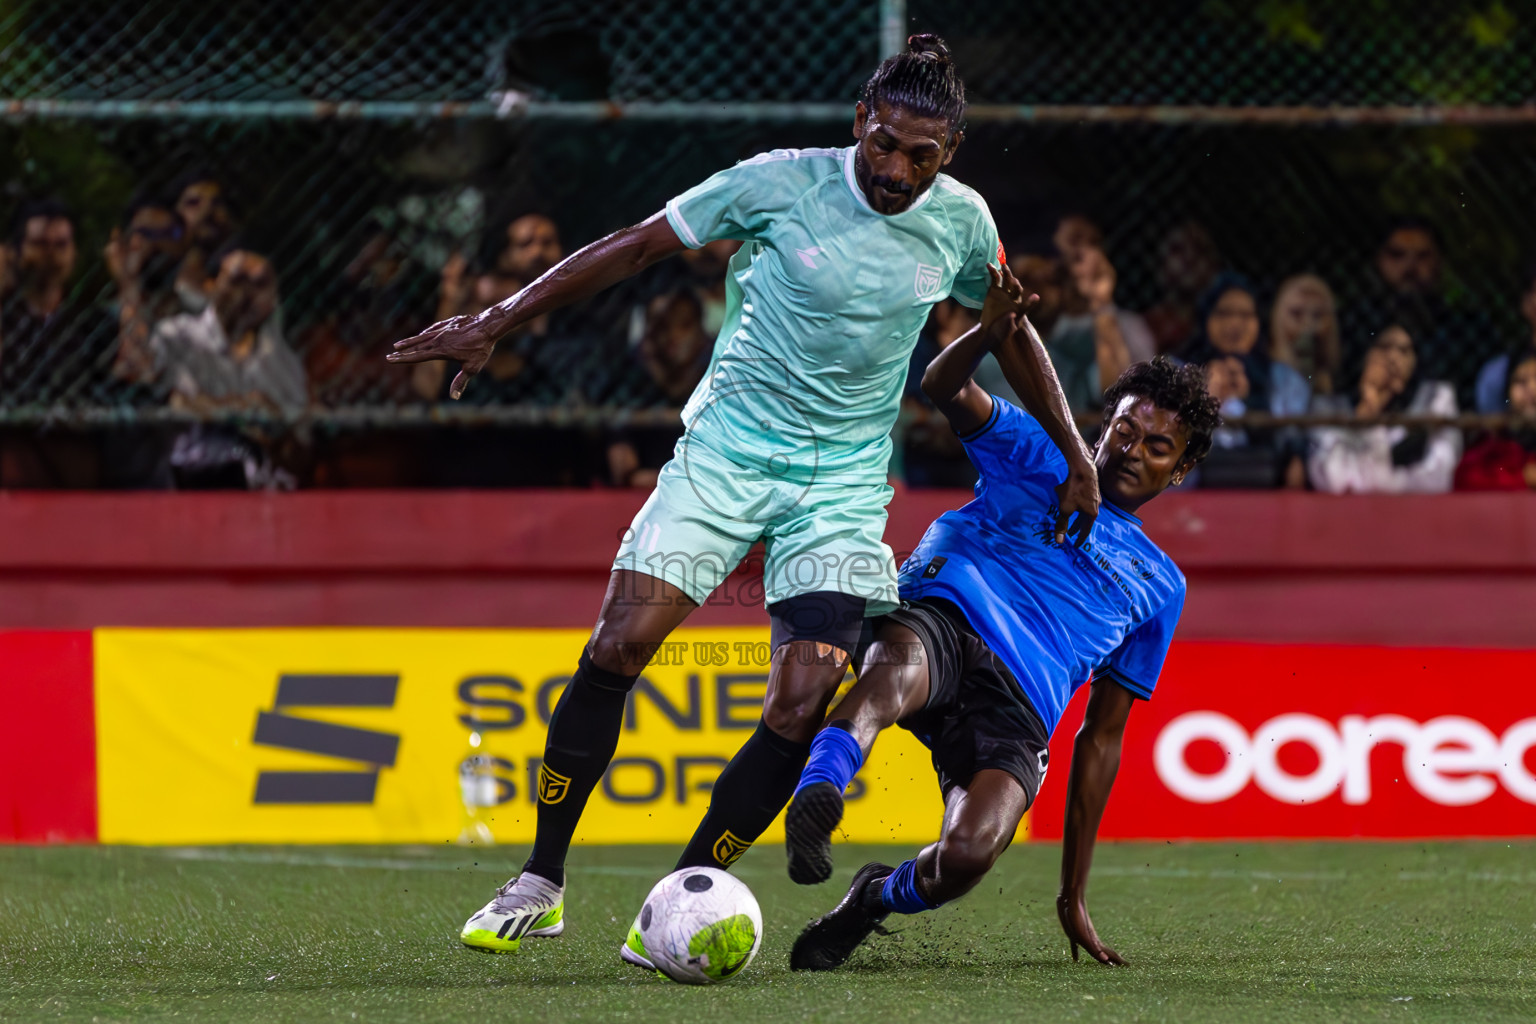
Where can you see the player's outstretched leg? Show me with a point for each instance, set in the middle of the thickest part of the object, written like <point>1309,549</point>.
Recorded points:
<point>638,613</point>
<point>979,823</point>
<point>893,683</point>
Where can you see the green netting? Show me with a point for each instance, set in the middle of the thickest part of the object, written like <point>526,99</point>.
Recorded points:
<point>317,192</point>
<point>1268,53</point>
<point>382,50</point>
<point>1098,51</point>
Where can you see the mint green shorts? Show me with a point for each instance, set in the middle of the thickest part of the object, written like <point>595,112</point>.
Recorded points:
<point>707,512</point>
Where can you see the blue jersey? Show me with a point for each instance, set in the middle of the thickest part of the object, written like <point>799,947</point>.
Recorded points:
<point>1054,613</point>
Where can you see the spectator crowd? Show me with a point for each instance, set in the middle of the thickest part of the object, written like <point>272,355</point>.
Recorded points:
<point>188,375</point>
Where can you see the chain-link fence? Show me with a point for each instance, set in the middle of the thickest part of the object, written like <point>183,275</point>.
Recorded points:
<point>1265,53</point>
<point>364,146</point>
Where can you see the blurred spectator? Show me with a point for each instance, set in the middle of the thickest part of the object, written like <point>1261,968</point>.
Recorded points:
<point>230,357</point>
<point>1387,459</point>
<point>53,346</point>
<point>1494,374</point>
<point>673,356</point>
<point>144,257</point>
<point>1241,375</point>
<point>202,202</point>
<point>1188,262</point>
<point>382,297</point>
<point>1406,288</point>
<point>677,346</point>
<point>1074,233</point>
<point>1093,341</point>
<point>1506,460</point>
<point>1304,330</point>
<point>509,260</point>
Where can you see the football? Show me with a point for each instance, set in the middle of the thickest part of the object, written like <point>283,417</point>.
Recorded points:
<point>701,926</point>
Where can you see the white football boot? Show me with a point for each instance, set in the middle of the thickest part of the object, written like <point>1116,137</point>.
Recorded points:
<point>527,906</point>
<point>633,950</point>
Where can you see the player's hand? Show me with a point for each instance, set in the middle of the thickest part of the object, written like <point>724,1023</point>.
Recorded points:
<point>1078,494</point>
<point>1005,297</point>
<point>1073,912</point>
<point>463,338</point>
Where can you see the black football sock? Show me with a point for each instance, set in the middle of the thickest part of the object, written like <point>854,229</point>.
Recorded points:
<point>583,732</point>
<point>746,798</point>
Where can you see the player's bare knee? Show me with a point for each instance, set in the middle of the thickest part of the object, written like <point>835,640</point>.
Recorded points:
<point>794,716</point>
<point>612,654</point>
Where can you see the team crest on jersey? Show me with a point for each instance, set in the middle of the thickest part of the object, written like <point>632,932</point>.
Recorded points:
<point>552,785</point>
<point>928,280</point>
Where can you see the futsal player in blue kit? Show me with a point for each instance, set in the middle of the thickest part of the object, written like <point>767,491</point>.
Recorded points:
<point>1000,622</point>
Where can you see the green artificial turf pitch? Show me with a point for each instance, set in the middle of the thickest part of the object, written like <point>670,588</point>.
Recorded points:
<point>1214,932</point>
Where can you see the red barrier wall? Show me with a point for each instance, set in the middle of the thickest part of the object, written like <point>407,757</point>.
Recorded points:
<point>1428,580</point>
<point>1453,570</point>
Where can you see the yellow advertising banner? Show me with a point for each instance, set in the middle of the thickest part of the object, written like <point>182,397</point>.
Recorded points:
<point>398,735</point>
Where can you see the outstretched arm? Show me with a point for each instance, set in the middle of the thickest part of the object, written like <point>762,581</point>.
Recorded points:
<point>604,263</point>
<point>1095,760</point>
<point>1028,369</point>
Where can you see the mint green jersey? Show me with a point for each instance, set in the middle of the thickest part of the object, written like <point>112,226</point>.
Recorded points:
<point>825,300</point>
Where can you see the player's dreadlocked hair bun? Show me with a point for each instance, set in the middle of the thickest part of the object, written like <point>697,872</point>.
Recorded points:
<point>1179,389</point>
<point>922,81</point>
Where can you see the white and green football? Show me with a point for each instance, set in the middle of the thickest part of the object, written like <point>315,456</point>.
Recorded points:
<point>701,926</point>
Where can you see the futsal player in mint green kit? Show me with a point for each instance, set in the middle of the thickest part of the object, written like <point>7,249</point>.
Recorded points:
<point>788,439</point>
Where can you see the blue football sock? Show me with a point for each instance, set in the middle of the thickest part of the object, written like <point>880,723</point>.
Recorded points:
<point>835,758</point>
<point>900,892</point>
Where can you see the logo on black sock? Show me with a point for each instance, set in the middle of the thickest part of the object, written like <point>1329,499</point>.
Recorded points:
<point>728,849</point>
<point>552,785</point>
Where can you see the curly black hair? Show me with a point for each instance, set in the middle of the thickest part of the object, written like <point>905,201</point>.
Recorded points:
<point>1179,389</point>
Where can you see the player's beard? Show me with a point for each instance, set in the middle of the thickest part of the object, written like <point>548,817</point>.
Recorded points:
<point>867,183</point>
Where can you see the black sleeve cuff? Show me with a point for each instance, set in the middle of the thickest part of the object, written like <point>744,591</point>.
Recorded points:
<point>997,408</point>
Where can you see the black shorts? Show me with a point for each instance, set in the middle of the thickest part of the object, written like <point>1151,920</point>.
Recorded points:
<point>976,716</point>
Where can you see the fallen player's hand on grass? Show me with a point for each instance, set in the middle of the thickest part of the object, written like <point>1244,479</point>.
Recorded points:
<point>466,339</point>
<point>1073,912</point>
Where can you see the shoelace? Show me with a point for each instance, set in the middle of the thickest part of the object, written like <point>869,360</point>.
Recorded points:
<point>506,891</point>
